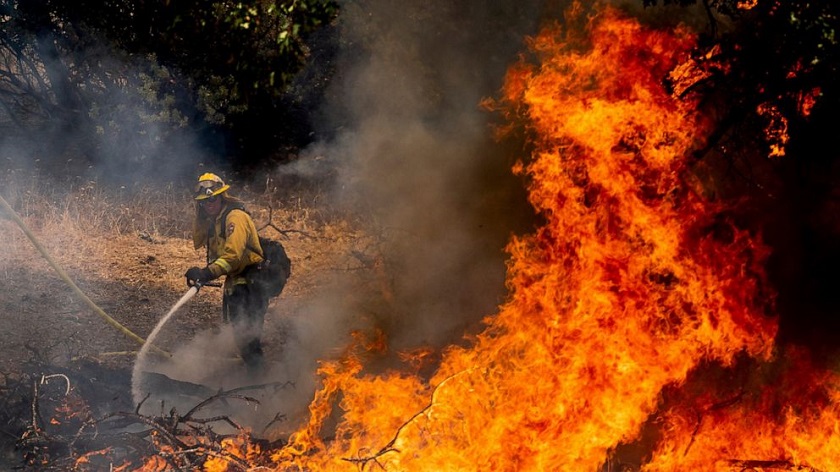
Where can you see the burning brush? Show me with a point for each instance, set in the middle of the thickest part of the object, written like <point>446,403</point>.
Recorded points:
<point>639,321</point>
<point>634,290</point>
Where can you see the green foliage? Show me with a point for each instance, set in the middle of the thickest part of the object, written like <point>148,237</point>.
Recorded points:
<point>253,47</point>
<point>141,69</point>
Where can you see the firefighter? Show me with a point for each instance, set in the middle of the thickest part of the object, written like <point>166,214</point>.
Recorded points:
<point>227,231</point>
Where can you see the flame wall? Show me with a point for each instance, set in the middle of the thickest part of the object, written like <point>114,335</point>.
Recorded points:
<point>632,282</point>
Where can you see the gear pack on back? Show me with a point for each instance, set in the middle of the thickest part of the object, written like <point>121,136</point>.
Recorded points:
<point>272,273</point>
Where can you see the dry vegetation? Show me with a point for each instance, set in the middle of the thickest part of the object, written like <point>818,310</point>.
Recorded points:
<point>127,251</point>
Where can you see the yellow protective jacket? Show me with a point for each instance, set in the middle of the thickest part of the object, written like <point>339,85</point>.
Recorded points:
<point>230,250</point>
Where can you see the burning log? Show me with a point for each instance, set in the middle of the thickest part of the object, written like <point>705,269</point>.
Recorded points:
<point>698,69</point>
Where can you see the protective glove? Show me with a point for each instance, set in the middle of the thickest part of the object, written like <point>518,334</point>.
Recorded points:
<point>197,275</point>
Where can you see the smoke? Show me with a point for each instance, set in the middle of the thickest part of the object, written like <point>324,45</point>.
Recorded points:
<point>415,157</point>
<point>413,160</point>
<point>412,155</point>
<point>208,366</point>
<point>138,124</point>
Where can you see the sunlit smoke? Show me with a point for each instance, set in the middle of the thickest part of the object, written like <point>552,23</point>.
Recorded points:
<point>414,160</point>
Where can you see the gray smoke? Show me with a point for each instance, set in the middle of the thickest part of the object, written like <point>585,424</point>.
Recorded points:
<point>412,157</point>
<point>416,158</point>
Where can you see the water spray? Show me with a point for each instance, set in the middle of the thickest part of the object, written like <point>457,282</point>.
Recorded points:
<point>136,370</point>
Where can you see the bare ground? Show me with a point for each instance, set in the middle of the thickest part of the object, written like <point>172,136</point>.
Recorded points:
<point>136,277</point>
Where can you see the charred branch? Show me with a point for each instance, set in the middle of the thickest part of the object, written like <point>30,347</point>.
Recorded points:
<point>53,428</point>
<point>711,16</point>
<point>717,406</point>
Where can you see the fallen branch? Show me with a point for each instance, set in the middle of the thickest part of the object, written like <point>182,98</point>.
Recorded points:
<point>56,430</point>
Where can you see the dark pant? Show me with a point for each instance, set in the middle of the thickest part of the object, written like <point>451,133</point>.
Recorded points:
<point>245,309</point>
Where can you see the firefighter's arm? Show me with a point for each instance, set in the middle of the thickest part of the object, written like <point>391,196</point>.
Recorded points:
<point>236,238</point>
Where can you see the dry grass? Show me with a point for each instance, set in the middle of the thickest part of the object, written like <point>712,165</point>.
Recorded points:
<point>80,209</point>
<point>128,248</point>
<point>83,208</point>
<point>120,233</point>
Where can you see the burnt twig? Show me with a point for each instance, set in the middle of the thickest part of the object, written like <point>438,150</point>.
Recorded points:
<point>210,452</point>
<point>717,406</point>
<point>141,402</point>
<point>45,379</point>
<point>152,423</point>
<point>218,396</point>
<point>278,418</point>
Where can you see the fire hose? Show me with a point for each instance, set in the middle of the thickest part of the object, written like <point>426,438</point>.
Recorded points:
<point>93,306</point>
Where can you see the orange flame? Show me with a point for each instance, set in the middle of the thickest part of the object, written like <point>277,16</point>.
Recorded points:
<point>775,130</point>
<point>638,305</point>
<point>239,447</point>
<point>631,283</point>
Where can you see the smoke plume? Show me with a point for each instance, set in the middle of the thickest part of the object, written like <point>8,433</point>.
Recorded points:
<point>412,157</point>
<point>415,156</point>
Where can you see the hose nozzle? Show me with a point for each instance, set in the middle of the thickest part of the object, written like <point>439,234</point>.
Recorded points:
<point>198,285</point>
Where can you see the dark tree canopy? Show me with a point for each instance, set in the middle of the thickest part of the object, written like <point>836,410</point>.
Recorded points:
<point>88,72</point>
<point>774,63</point>
<point>768,69</point>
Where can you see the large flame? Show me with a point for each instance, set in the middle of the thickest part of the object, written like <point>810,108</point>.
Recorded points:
<point>632,283</point>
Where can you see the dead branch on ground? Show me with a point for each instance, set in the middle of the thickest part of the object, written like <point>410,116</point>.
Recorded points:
<point>749,465</point>
<point>57,430</point>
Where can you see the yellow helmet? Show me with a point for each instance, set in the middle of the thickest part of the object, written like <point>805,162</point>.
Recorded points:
<point>209,185</point>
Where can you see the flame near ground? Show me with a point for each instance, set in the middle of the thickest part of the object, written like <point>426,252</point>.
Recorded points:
<point>633,283</point>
